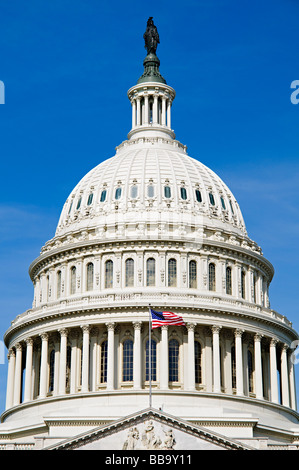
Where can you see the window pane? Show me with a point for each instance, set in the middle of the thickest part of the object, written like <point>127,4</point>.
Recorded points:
<point>150,191</point>
<point>212,200</point>
<point>231,206</point>
<point>197,354</point>
<point>108,274</point>
<point>192,274</point>
<point>172,273</point>
<point>134,192</point>
<point>173,360</point>
<point>103,195</point>
<point>150,272</point>
<point>167,191</point>
<point>153,361</point>
<point>79,203</point>
<point>90,198</point>
<point>117,193</point>
<point>129,272</point>
<point>223,203</point>
<point>104,352</point>
<point>243,284</point>
<point>228,281</point>
<point>58,284</point>
<point>183,193</point>
<point>198,195</point>
<point>89,276</point>
<point>128,360</point>
<point>73,280</point>
<point>71,205</point>
<point>212,277</point>
<point>51,372</point>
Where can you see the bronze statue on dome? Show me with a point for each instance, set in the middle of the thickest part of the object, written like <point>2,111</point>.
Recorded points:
<point>151,37</point>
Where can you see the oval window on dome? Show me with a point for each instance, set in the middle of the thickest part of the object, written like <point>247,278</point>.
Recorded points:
<point>134,192</point>
<point>117,193</point>
<point>223,203</point>
<point>103,195</point>
<point>167,192</point>
<point>198,195</point>
<point>212,200</point>
<point>79,203</point>
<point>90,198</point>
<point>150,190</point>
<point>183,193</point>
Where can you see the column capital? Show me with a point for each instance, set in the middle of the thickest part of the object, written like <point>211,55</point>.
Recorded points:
<point>216,329</point>
<point>110,326</point>
<point>85,328</point>
<point>273,342</point>
<point>285,347</point>
<point>29,341</point>
<point>44,336</point>
<point>164,327</point>
<point>11,352</point>
<point>63,332</point>
<point>18,347</point>
<point>238,333</point>
<point>258,337</point>
<point>191,326</point>
<point>137,325</point>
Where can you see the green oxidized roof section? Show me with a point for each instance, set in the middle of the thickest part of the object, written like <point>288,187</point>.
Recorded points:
<point>151,63</point>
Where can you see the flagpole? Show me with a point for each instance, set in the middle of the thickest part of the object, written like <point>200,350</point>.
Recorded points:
<point>150,356</point>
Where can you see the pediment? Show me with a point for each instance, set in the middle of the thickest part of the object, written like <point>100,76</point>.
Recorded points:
<point>149,430</point>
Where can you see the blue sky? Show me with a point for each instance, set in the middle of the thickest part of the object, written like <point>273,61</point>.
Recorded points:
<point>67,66</point>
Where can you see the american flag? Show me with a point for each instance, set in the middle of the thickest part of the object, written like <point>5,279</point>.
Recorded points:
<point>165,318</point>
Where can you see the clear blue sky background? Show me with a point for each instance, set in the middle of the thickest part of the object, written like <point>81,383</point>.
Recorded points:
<point>67,66</point>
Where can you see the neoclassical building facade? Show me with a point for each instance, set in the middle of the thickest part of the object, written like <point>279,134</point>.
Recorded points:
<point>151,226</point>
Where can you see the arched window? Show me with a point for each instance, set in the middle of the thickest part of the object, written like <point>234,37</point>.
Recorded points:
<point>58,284</point>
<point>128,360</point>
<point>71,205</point>
<point>223,203</point>
<point>118,193</point>
<point>250,371</point>
<point>183,193</point>
<point>134,191</point>
<point>79,203</point>
<point>231,206</point>
<point>198,195</point>
<point>243,284</point>
<point>90,198</point>
<point>89,276</point>
<point>212,200</point>
<point>104,353</point>
<point>73,280</point>
<point>51,370</point>
<point>108,274</point>
<point>173,360</point>
<point>167,192</point>
<point>254,287</point>
<point>197,356</point>
<point>192,275</point>
<point>229,280</point>
<point>150,272</point>
<point>212,277</point>
<point>233,360</point>
<point>153,361</point>
<point>103,195</point>
<point>129,272</point>
<point>172,273</point>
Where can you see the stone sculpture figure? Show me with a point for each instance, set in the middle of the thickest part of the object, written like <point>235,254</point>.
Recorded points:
<point>132,439</point>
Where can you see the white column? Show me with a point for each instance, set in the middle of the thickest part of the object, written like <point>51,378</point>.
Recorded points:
<point>110,356</point>
<point>293,397</point>
<point>146,113</point>
<point>216,359</point>
<point>93,367</point>
<point>273,371</point>
<point>258,367</point>
<point>10,378</point>
<point>137,355</point>
<point>44,366</point>
<point>155,110</point>
<point>164,366</point>
<point>239,362</point>
<point>169,113</point>
<point>28,373</point>
<point>62,363</point>
<point>228,364</point>
<point>191,356</point>
<point>18,374</point>
<point>85,358</point>
<point>133,114</point>
<point>285,391</point>
<point>208,379</point>
<point>163,120</point>
<point>138,112</point>
<point>74,354</point>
